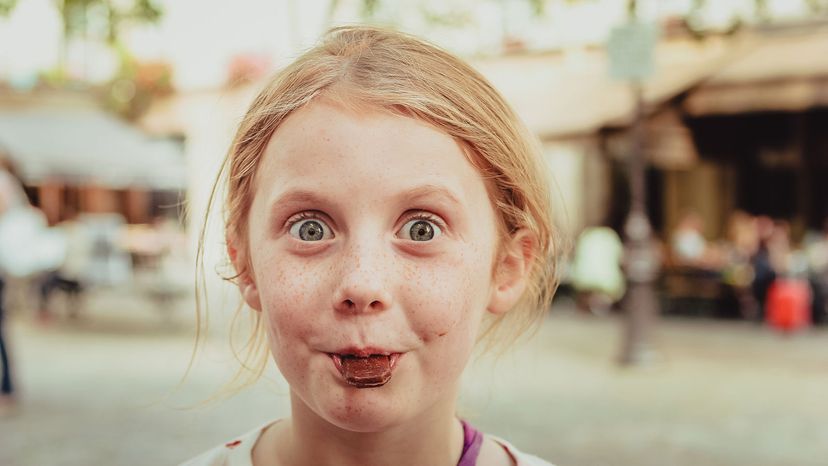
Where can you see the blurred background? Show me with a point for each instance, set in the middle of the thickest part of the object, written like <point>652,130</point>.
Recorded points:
<point>688,140</point>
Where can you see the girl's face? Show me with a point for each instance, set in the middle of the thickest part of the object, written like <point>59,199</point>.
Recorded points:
<point>371,233</point>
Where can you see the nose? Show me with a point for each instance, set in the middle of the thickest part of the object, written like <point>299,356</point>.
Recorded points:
<point>363,284</point>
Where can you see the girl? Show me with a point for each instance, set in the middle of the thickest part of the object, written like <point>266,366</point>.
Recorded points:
<point>385,210</point>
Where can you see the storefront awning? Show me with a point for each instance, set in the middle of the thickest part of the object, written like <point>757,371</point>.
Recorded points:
<point>780,72</point>
<point>80,146</point>
<point>571,93</point>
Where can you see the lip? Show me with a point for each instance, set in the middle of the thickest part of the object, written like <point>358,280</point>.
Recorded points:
<point>336,357</point>
<point>364,352</point>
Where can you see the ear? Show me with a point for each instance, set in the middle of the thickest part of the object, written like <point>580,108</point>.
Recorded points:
<point>511,274</point>
<point>244,278</point>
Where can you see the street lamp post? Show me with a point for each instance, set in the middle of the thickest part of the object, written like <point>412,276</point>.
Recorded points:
<point>641,257</point>
<point>630,51</point>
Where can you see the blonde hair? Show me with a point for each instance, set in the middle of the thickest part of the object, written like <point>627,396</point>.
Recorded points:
<point>388,70</point>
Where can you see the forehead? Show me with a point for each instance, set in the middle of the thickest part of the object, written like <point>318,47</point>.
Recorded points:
<point>371,152</point>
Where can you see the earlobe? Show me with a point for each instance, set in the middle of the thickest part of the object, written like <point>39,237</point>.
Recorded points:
<point>512,271</point>
<point>250,293</point>
<point>244,280</point>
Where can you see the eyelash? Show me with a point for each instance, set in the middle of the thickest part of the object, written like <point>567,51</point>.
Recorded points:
<point>310,214</point>
<point>421,215</point>
<point>305,215</point>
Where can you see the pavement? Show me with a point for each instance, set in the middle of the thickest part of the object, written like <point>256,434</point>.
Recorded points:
<point>103,389</point>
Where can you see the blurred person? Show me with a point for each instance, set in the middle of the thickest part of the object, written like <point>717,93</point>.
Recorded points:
<point>27,248</point>
<point>688,245</point>
<point>742,234</point>
<point>11,196</point>
<point>378,253</point>
<point>109,260</point>
<point>817,254</point>
<point>781,249</point>
<point>816,245</point>
<point>740,246</point>
<point>763,263</point>
<point>69,277</point>
<point>789,296</point>
<point>173,261</point>
<point>163,264</point>
<point>693,272</point>
<point>596,269</point>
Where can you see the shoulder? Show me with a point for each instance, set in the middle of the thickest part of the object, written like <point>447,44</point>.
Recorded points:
<point>520,458</point>
<point>236,452</point>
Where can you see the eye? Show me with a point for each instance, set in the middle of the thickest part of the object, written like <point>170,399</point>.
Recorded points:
<point>420,229</point>
<point>311,229</point>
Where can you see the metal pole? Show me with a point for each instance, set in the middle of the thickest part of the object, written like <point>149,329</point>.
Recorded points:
<point>641,258</point>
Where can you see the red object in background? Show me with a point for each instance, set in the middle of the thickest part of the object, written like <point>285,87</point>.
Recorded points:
<point>789,305</point>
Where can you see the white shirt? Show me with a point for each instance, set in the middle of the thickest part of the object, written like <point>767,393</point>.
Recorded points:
<point>239,452</point>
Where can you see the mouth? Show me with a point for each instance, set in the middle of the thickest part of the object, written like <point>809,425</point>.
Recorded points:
<point>365,369</point>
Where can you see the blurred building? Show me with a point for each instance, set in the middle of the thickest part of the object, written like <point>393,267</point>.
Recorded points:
<point>759,124</point>
<point>732,122</point>
<point>744,132</point>
<point>582,117</point>
<point>74,157</point>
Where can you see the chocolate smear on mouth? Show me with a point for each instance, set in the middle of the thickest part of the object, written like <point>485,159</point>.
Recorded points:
<point>366,372</point>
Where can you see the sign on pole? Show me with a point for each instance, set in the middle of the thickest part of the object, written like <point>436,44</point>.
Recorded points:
<point>630,51</point>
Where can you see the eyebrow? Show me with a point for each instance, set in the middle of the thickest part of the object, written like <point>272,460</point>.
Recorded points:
<point>430,190</point>
<point>417,194</point>
<point>299,196</point>
<point>296,197</point>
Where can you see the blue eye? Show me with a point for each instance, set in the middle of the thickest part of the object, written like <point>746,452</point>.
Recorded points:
<point>310,230</point>
<point>419,229</point>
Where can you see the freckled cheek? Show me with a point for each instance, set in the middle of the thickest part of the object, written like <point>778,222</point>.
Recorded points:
<point>289,295</point>
<point>444,300</point>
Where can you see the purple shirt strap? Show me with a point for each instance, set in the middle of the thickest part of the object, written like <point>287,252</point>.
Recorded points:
<point>472,441</point>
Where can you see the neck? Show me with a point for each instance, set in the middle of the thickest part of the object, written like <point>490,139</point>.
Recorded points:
<point>435,437</point>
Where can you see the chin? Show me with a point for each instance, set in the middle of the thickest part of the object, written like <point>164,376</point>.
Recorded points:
<point>361,423</point>
<point>364,409</point>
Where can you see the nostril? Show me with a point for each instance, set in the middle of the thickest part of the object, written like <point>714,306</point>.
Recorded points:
<point>355,304</point>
